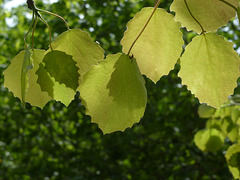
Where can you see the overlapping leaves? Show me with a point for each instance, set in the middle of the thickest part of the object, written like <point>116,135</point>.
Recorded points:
<point>17,82</point>
<point>114,93</point>
<point>74,53</point>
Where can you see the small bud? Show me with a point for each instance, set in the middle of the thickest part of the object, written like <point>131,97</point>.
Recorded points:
<point>30,4</point>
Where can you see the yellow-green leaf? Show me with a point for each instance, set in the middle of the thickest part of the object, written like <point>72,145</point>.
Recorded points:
<point>114,93</point>
<point>13,80</point>
<point>210,14</point>
<point>62,67</point>
<point>210,68</point>
<point>26,66</point>
<point>160,45</point>
<point>209,140</point>
<point>205,111</point>
<point>81,47</point>
<point>56,90</point>
<point>233,167</point>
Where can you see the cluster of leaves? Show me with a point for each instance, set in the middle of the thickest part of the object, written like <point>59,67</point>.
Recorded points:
<point>223,125</point>
<point>115,86</point>
<point>61,143</point>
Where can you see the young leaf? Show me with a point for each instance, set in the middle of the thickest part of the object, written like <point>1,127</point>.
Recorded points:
<point>13,78</point>
<point>114,93</point>
<point>210,68</point>
<point>210,14</point>
<point>232,157</point>
<point>81,47</point>
<point>62,67</point>
<point>160,45</point>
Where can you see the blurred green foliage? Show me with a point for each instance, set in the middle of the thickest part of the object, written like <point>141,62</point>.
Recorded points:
<point>61,142</point>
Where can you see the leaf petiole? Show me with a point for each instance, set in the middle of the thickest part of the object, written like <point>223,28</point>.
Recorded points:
<point>30,27</point>
<point>34,27</point>
<point>50,32</point>
<point>155,8</point>
<point>53,14</point>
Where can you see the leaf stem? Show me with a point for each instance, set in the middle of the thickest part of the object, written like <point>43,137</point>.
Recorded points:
<point>155,8</point>
<point>50,32</point>
<point>30,27</point>
<point>193,16</point>
<point>34,27</point>
<point>53,14</point>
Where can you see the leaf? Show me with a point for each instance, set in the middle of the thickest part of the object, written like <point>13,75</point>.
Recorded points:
<point>83,51</point>
<point>26,66</point>
<point>205,111</point>
<point>209,140</point>
<point>114,93</point>
<point>198,140</point>
<point>13,79</point>
<point>231,155</point>
<point>160,45</point>
<point>214,124</point>
<point>57,91</point>
<point>235,114</point>
<point>211,14</point>
<point>233,133</point>
<point>213,140</point>
<point>210,68</point>
<point>81,47</point>
<point>62,67</point>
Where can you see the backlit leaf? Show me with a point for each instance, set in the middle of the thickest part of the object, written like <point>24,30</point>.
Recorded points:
<point>209,140</point>
<point>62,67</point>
<point>13,80</point>
<point>232,155</point>
<point>81,47</point>
<point>210,68</point>
<point>211,14</point>
<point>114,93</point>
<point>160,45</point>
<point>205,111</point>
<point>57,91</point>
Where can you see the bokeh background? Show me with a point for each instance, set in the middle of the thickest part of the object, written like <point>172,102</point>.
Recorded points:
<point>60,142</point>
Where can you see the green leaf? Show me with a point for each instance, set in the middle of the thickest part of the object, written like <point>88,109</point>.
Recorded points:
<point>13,78</point>
<point>214,124</point>
<point>198,140</point>
<point>26,66</point>
<point>233,133</point>
<point>57,91</point>
<point>114,93</point>
<point>209,140</point>
<point>213,140</point>
<point>160,45</point>
<point>210,14</point>
<point>232,155</point>
<point>62,67</point>
<point>205,111</point>
<point>81,47</point>
<point>210,68</point>
<point>235,114</point>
